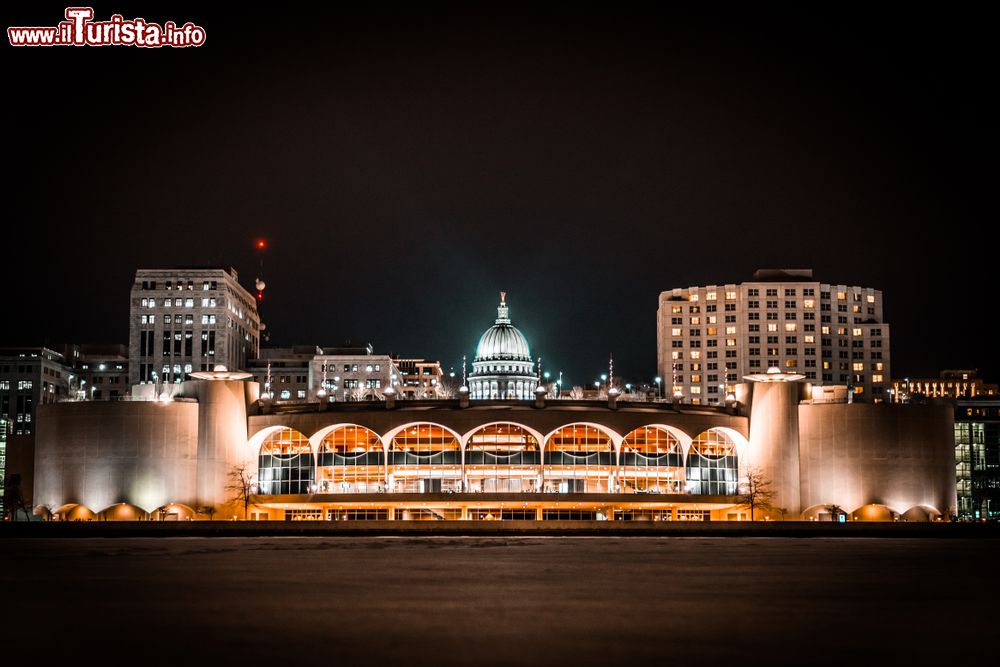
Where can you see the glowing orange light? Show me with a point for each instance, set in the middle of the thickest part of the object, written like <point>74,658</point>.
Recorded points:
<point>261,244</point>
<point>260,296</point>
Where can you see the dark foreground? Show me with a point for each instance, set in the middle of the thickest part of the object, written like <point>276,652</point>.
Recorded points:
<point>499,601</point>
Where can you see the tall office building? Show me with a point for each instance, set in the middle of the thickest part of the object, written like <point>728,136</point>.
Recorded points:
<point>708,338</point>
<point>29,377</point>
<point>186,320</point>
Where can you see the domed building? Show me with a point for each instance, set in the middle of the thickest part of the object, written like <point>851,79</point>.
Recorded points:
<point>503,368</point>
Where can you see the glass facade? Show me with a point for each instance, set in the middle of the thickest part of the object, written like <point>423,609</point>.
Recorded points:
<point>977,463</point>
<point>503,458</point>
<point>579,459</point>
<point>652,461</point>
<point>712,467</point>
<point>499,457</point>
<point>350,460</point>
<point>286,464</point>
<point>425,458</point>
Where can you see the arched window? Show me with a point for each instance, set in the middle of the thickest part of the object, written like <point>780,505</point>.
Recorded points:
<point>503,458</point>
<point>350,460</point>
<point>285,464</point>
<point>712,468</point>
<point>579,459</point>
<point>425,458</point>
<point>652,461</point>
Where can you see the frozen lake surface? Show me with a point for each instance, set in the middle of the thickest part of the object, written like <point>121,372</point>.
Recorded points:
<point>500,601</point>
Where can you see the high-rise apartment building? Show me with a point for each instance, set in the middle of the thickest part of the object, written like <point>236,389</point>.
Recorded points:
<point>186,320</point>
<point>708,338</point>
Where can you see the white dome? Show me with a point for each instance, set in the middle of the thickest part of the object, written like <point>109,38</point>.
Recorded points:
<point>503,341</point>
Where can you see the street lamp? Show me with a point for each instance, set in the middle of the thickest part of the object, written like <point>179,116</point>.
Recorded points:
<point>657,380</point>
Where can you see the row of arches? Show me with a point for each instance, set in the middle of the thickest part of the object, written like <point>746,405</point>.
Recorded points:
<point>499,457</point>
<point>118,512</point>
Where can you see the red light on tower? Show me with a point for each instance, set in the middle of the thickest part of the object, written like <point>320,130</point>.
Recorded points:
<point>260,296</point>
<point>260,244</point>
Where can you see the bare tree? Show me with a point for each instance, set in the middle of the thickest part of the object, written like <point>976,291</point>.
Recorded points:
<point>757,493</point>
<point>576,393</point>
<point>359,393</point>
<point>444,391</point>
<point>241,485</point>
<point>14,501</point>
<point>207,510</point>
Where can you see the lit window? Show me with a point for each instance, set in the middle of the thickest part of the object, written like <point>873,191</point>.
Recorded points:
<point>825,330</point>
<point>710,296</point>
<point>730,330</point>
<point>858,366</point>
<point>790,326</point>
<point>696,378</point>
<point>676,331</point>
<point>730,342</point>
<point>696,354</point>
<point>167,303</point>
<point>871,298</point>
<point>876,378</point>
<point>856,331</point>
<point>809,303</point>
<point>841,296</point>
<point>809,339</point>
<point>695,390</point>
<point>695,320</point>
<point>675,309</point>
<point>693,297</point>
<point>730,294</point>
<point>789,363</point>
<point>676,355</point>
<point>772,327</point>
<point>712,331</point>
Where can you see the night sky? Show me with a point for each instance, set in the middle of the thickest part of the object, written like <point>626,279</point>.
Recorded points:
<point>405,167</point>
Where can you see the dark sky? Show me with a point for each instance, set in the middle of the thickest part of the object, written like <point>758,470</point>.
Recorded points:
<point>404,167</point>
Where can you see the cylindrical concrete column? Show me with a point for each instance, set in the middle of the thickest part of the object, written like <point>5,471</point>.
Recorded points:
<point>774,441</point>
<point>222,436</point>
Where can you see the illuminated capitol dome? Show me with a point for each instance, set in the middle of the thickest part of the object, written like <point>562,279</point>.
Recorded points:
<point>503,368</point>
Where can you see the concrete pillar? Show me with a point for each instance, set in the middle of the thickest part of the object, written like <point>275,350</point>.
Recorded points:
<point>222,436</point>
<point>774,440</point>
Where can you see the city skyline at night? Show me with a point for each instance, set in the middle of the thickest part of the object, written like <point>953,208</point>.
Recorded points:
<point>405,167</point>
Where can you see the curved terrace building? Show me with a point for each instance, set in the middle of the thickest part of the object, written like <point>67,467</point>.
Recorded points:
<point>494,459</point>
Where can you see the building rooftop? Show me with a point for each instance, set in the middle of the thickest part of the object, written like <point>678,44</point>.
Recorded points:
<point>781,275</point>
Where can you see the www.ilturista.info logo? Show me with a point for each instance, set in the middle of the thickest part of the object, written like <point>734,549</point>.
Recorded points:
<point>79,29</point>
